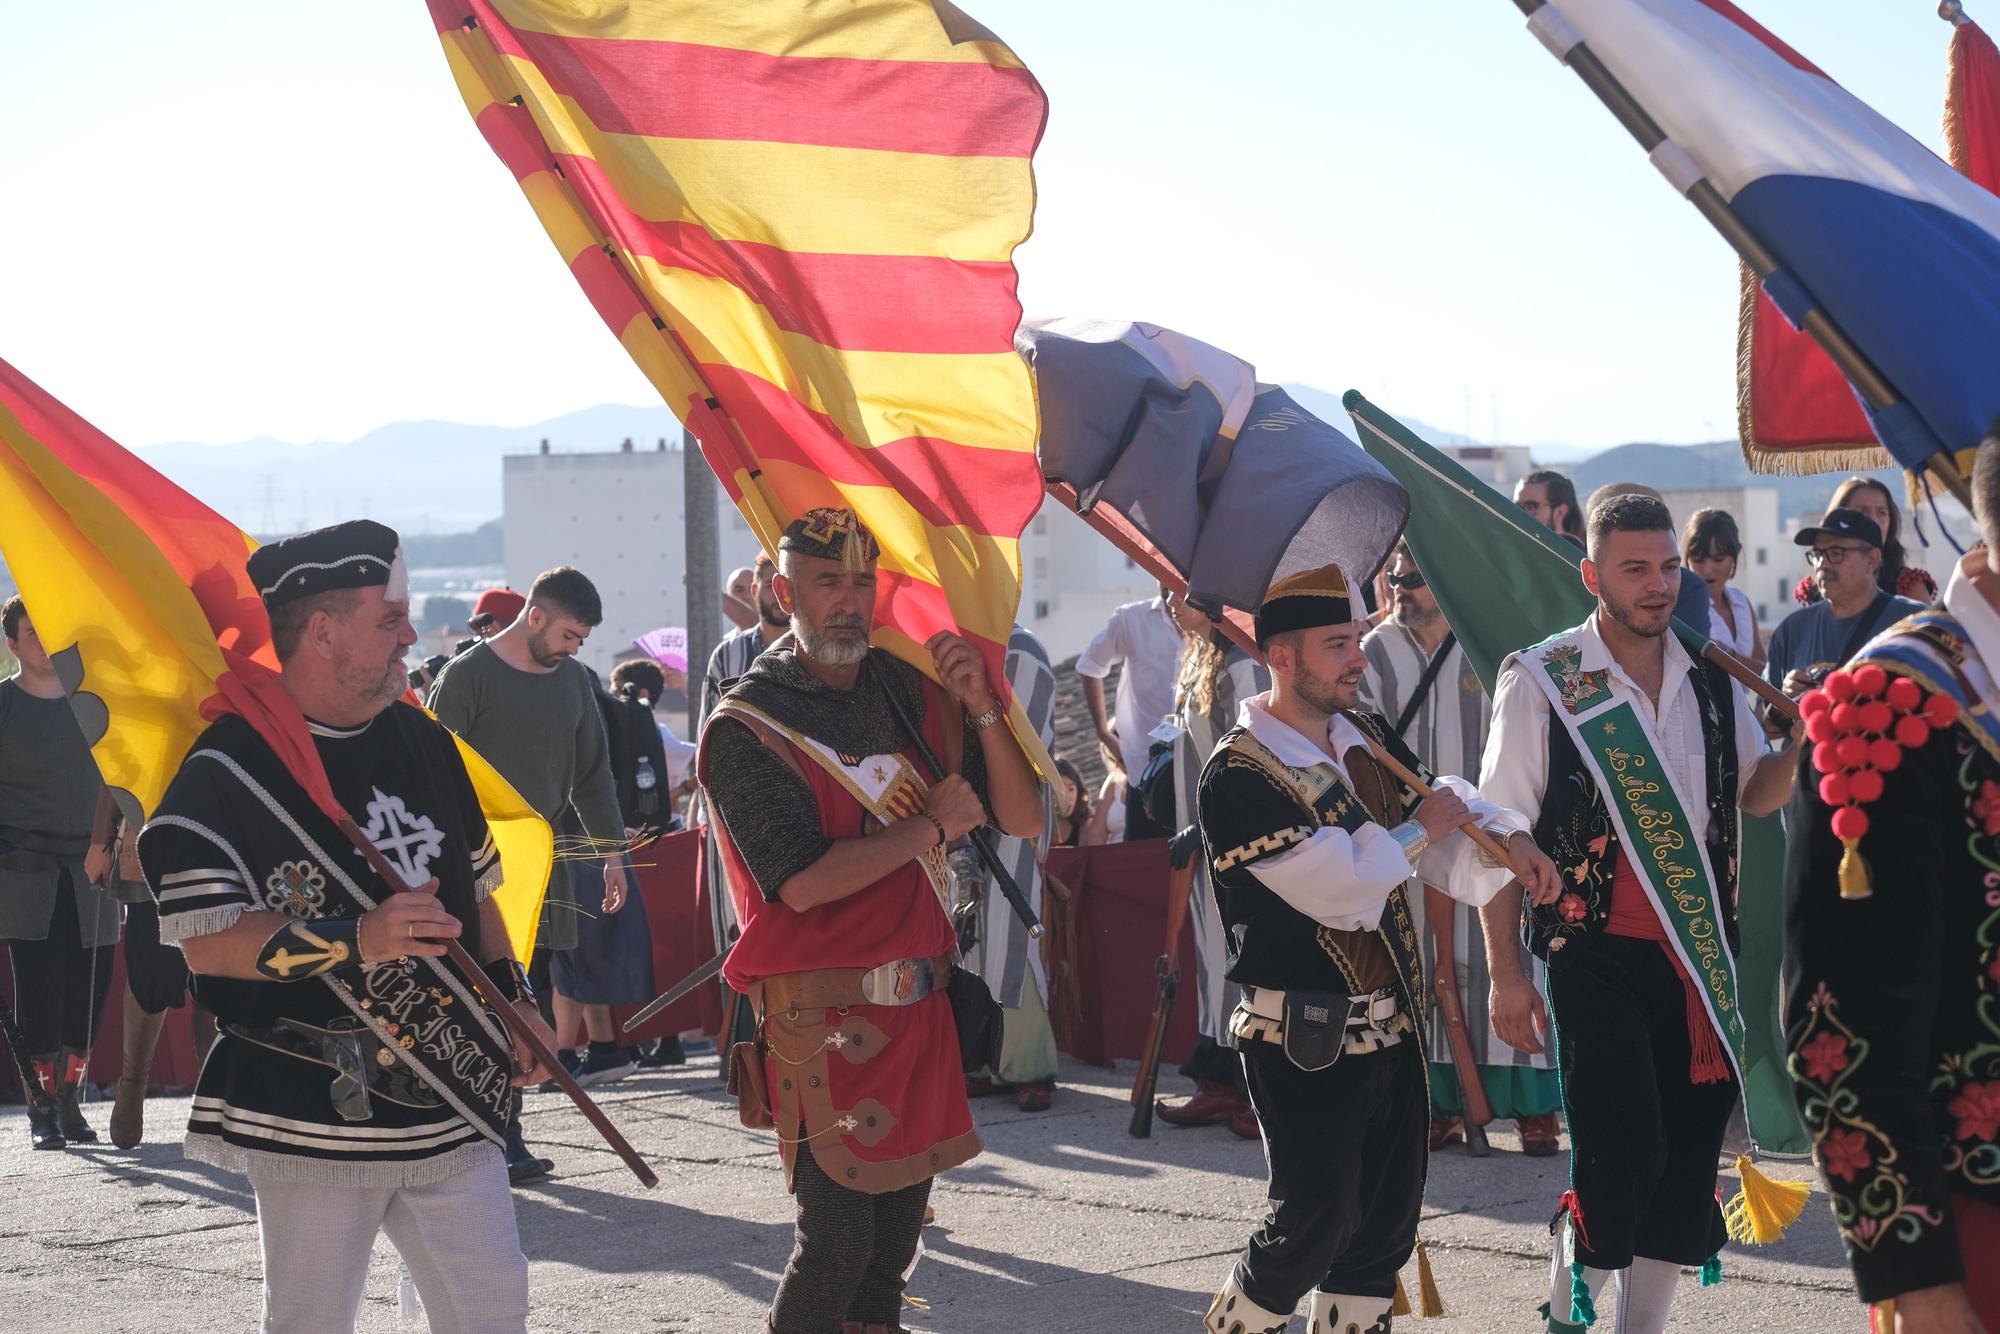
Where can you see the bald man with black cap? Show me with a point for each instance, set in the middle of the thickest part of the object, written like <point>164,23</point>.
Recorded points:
<point>360,1083</point>
<point>1312,844</point>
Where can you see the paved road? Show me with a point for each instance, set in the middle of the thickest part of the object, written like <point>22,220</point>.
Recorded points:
<point>1064,1224</point>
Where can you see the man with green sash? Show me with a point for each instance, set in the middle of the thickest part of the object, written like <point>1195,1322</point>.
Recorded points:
<point>1632,760</point>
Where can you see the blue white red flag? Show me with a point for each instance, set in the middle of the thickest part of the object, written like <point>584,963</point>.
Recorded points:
<point>1900,251</point>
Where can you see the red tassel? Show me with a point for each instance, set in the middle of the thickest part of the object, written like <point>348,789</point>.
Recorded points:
<point>1571,1205</point>
<point>1706,1062</point>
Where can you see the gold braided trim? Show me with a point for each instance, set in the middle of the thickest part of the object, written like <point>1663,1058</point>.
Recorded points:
<point>1262,845</point>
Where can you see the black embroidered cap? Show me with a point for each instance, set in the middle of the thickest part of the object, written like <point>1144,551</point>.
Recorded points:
<point>831,534</point>
<point>357,554</point>
<point>1303,601</point>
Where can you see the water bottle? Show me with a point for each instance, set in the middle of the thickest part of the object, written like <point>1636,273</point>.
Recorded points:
<point>648,784</point>
<point>645,778</point>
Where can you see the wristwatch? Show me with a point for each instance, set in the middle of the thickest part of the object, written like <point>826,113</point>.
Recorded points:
<point>986,719</point>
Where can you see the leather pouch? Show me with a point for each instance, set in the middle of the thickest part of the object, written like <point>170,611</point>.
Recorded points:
<point>747,1082</point>
<point>1315,1027</point>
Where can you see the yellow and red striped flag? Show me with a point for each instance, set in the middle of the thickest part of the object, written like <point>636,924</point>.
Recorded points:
<point>140,594</point>
<point>799,218</point>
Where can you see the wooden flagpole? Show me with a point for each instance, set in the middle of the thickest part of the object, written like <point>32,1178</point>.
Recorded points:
<point>1862,373</point>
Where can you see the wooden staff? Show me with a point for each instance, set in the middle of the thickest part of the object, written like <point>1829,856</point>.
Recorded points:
<point>519,1027</point>
<point>1488,844</point>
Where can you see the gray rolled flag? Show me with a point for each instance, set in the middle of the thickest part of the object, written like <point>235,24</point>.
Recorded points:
<point>1215,483</point>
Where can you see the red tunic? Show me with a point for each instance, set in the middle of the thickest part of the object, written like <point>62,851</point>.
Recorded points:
<point>878,1090</point>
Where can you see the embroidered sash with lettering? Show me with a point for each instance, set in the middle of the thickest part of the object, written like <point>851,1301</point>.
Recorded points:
<point>1668,856</point>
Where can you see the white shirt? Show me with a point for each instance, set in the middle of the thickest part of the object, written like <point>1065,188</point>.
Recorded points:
<point>1516,769</point>
<point>1344,880</point>
<point>1971,610</point>
<point>1742,641</point>
<point>1143,637</point>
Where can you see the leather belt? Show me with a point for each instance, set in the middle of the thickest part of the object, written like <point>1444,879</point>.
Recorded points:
<point>1374,1021</point>
<point>898,982</point>
<point>361,1065</point>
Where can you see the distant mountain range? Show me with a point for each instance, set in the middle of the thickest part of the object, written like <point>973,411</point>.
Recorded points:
<point>439,477</point>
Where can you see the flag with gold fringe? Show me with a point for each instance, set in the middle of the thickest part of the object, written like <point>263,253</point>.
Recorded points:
<point>139,592</point>
<point>799,220</point>
<point>1795,411</point>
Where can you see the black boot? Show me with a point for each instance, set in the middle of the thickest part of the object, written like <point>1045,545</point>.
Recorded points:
<point>44,1131</point>
<point>68,1114</point>
<point>523,1165</point>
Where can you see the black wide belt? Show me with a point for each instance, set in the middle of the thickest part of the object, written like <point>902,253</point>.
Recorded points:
<point>362,1065</point>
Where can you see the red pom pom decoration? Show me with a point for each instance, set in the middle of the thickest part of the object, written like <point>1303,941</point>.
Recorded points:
<point>1940,711</point>
<point>1884,755</point>
<point>1850,822</point>
<point>1852,751</point>
<point>1904,694</point>
<point>1839,687</point>
<point>1846,717</point>
<point>1870,680</point>
<point>1877,717</point>
<point>1814,701</point>
<point>1819,727</point>
<point>1865,786</point>
<point>1913,731</point>
<point>1826,760</point>
<point>1834,789</point>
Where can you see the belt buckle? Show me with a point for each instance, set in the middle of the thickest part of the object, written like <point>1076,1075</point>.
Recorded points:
<point>903,982</point>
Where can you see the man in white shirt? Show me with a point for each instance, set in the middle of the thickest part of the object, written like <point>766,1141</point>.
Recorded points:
<point>1311,842</point>
<point>1632,760</point>
<point>1142,637</point>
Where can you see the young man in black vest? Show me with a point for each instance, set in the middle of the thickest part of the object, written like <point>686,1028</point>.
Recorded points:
<point>1632,760</point>
<point>357,1079</point>
<point>1312,843</point>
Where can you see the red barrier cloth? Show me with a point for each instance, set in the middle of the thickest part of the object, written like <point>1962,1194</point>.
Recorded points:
<point>669,877</point>
<point>1121,891</point>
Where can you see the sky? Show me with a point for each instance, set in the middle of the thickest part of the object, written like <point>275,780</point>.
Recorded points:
<point>246,219</point>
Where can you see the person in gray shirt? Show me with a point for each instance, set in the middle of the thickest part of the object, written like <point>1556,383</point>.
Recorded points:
<point>60,927</point>
<point>524,703</point>
<point>1846,554</point>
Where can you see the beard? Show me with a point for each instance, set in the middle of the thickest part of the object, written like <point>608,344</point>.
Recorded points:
<point>541,652</point>
<point>828,649</point>
<point>1410,616</point>
<point>1633,619</point>
<point>1324,694</point>
<point>374,685</point>
<point>773,614</point>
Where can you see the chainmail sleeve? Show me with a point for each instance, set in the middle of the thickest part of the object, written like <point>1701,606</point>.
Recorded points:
<point>767,808</point>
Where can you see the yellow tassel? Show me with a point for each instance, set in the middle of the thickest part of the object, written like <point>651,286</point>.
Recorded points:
<point>1401,1306</point>
<point>1763,1209</point>
<point>1854,881</point>
<point>1430,1302</point>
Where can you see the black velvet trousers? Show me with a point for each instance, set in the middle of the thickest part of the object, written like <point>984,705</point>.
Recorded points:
<point>1348,1148</point>
<point>1644,1138</point>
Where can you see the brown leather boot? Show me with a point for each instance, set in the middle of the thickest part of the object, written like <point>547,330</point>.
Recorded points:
<point>1214,1103</point>
<point>128,1106</point>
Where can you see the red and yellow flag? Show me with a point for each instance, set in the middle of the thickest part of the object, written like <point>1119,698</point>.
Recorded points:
<point>799,219</point>
<point>140,594</point>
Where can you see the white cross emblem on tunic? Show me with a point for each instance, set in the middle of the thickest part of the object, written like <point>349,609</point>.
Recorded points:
<point>410,841</point>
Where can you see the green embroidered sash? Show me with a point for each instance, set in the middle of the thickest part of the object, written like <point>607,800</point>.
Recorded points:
<point>1664,846</point>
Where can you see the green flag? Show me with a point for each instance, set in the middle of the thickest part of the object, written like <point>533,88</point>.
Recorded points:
<point>1505,581</point>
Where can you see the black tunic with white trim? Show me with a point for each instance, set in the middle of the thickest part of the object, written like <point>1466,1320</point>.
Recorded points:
<point>214,850</point>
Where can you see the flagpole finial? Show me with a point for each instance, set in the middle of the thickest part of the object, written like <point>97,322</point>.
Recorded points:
<point>1952,12</point>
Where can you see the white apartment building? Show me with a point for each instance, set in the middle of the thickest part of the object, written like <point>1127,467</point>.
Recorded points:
<point>619,517</point>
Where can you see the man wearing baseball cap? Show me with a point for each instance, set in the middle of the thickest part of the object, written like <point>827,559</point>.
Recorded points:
<point>1845,553</point>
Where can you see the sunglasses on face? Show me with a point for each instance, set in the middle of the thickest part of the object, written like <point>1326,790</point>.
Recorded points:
<point>1414,579</point>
